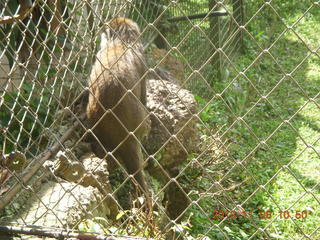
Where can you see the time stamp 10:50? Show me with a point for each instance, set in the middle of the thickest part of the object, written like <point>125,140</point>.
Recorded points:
<point>261,214</point>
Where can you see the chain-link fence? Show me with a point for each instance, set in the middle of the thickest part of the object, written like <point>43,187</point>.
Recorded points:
<point>193,120</point>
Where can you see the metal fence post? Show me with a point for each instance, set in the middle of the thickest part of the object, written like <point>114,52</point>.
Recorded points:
<point>238,15</point>
<point>215,38</point>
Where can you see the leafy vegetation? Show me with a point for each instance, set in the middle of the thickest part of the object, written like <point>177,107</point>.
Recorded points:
<point>24,115</point>
<point>269,116</point>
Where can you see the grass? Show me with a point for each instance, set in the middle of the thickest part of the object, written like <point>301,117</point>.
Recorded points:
<point>283,173</point>
<point>289,167</point>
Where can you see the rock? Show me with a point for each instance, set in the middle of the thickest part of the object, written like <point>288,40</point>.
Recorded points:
<point>62,205</point>
<point>89,171</point>
<point>173,127</point>
<point>173,136</point>
<point>86,194</point>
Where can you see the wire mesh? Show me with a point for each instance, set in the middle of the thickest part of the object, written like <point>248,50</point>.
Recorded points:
<point>232,111</point>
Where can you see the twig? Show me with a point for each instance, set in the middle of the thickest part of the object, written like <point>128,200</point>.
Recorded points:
<point>62,234</point>
<point>229,189</point>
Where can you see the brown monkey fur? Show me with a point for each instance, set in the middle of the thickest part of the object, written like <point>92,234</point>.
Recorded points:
<point>117,96</point>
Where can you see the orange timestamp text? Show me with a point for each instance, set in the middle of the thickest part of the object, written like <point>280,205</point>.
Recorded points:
<point>261,214</point>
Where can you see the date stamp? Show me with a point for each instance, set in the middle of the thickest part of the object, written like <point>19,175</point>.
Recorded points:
<point>260,214</point>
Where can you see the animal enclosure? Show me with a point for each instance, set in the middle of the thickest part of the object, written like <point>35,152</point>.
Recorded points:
<point>217,133</point>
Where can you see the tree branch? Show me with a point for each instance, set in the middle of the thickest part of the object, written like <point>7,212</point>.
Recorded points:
<point>26,9</point>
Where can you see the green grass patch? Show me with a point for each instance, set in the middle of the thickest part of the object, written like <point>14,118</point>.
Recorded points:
<point>271,120</point>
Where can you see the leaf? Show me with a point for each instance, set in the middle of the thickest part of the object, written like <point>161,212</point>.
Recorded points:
<point>227,229</point>
<point>141,200</point>
<point>185,227</point>
<point>243,234</point>
<point>101,219</point>
<point>276,236</point>
<point>113,229</point>
<point>120,215</point>
<point>199,99</point>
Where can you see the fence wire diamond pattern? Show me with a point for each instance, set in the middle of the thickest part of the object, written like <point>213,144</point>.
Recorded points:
<point>129,119</point>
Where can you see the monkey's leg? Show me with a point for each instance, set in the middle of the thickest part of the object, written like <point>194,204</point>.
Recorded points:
<point>130,153</point>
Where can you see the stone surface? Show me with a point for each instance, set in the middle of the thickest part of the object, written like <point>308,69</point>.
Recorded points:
<point>173,128</point>
<point>173,136</point>
<point>62,205</point>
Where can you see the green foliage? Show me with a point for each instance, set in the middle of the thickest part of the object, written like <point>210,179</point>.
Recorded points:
<point>211,113</point>
<point>262,119</point>
<point>23,116</point>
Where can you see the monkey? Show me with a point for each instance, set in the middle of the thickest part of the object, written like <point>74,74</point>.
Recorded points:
<point>116,108</point>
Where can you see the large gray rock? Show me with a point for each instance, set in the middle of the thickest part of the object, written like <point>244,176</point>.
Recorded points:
<point>173,129</point>
<point>173,136</point>
<point>62,204</point>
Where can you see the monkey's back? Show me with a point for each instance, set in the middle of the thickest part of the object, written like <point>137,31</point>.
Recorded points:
<point>115,107</point>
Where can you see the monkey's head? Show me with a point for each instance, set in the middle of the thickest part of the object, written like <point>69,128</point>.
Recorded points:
<point>122,29</point>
